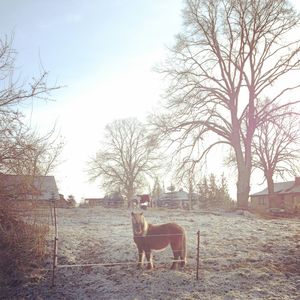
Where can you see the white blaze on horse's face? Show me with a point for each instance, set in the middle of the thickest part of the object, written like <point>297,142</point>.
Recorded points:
<point>138,223</point>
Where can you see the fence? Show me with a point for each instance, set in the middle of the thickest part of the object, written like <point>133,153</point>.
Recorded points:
<point>57,266</point>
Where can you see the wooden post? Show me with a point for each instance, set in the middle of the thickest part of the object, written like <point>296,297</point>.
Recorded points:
<point>55,244</point>
<point>198,254</point>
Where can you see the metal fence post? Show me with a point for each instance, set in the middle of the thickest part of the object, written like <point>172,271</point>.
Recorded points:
<point>55,244</point>
<point>198,254</point>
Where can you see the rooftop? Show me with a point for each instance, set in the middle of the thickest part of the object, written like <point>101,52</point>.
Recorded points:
<point>287,187</point>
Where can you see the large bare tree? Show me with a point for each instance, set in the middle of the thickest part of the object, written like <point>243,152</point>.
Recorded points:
<point>277,148</point>
<point>126,157</point>
<point>231,55</point>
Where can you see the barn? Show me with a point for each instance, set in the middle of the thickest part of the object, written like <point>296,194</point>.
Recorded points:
<point>28,188</point>
<point>94,201</point>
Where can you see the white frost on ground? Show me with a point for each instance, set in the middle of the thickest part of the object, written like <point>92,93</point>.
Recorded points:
<point>242,257</point>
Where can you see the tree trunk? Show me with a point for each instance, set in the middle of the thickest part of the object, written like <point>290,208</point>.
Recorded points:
<point>190,200</point>
<point>190,195</point>
<point>243,180</point>
<point>244,164</point>
<point>271,193</point>
<point>243,190</point>
<point>270,183</point>
<point>129,196</point>
<point>243,183</point>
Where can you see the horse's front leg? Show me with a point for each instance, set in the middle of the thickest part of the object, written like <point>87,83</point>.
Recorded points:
<point>141,255</point>
<point>149,259</point>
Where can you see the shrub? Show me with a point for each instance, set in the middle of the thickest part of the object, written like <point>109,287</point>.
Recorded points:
<point>22,247</point>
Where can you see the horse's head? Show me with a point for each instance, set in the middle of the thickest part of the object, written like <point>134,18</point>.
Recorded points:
<point>139,224</point>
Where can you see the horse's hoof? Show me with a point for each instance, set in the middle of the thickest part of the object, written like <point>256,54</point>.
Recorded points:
<point>149,267</point>
<point>139,267</point>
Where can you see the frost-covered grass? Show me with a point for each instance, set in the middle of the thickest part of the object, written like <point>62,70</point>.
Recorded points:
<point>242,257</point>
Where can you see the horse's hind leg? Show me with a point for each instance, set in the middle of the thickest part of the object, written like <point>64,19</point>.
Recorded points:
<point>183,262</point>
<point>183,251</point>
<point>182,258</point>
<point>175,262</point>
<point>176,254</point>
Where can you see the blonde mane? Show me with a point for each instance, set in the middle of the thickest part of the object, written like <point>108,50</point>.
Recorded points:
<point>139,224</point>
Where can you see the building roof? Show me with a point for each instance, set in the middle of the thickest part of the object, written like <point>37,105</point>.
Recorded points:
<point>288,187</point>
<point>42,187</point>
<point>293,189</point>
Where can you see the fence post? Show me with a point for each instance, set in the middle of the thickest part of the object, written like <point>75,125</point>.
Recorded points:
<point>198,254</point>
<point>55,244</point>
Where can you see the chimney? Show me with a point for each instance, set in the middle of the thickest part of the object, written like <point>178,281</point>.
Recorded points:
<point>297,180</point>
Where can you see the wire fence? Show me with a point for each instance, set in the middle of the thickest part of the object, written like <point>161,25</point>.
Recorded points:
<point>109,264</point>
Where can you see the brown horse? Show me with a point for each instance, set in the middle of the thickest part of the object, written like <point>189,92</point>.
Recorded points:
<point>150,237</point>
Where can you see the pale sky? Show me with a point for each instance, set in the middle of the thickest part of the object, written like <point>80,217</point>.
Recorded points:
<point>104,52</point>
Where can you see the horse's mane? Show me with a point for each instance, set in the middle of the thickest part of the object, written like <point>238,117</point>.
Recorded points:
<point>138,218</point>
<point>146,226</point>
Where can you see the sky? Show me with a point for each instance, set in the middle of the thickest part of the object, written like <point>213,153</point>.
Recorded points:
<point>102,53</point>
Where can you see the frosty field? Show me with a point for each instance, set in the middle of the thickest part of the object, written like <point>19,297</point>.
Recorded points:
<point>241,257</point>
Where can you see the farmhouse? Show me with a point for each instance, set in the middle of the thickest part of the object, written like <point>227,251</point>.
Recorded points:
<point>286,198</point>
<point>176,199</point>
<point>94,201</point>
<point>28,188</point>
<point>114,200</point>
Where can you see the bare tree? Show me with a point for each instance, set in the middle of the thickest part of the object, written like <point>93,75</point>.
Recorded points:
<point>231,55</point>
<point>36,154</point>
<point>126,157</point>
<point>13,90</point>
<point>276,148</point>
<point>11,136</point>
<point>22,150</point>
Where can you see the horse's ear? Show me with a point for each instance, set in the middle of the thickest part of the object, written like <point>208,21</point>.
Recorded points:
<point>132,213</point>
<point>141,213</point>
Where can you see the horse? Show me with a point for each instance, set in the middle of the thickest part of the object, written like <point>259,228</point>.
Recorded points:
<point>148,237</point>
